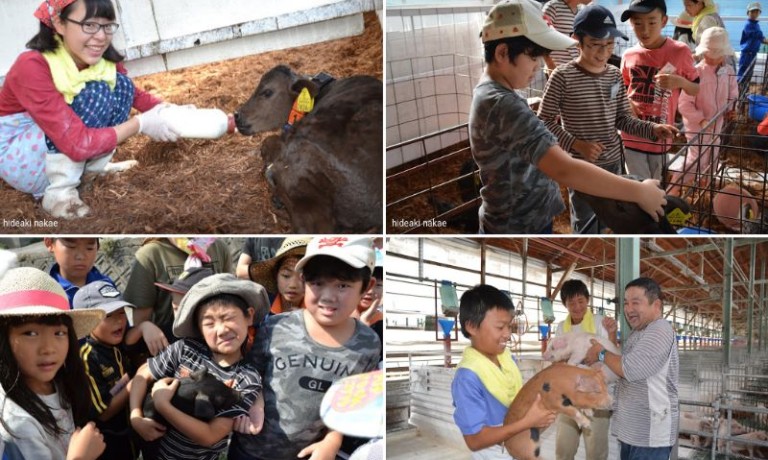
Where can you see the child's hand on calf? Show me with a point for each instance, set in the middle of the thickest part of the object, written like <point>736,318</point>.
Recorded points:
<point>652,199</point>
<point>162,392</point>
<point>589,150</point>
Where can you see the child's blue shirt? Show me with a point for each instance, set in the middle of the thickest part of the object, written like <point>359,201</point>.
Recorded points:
<point>751,37</point>
<point>475,406</point>
<point>71,289</point>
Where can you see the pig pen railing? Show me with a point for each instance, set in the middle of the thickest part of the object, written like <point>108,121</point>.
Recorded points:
<point>438,186</point>
<point>721,170</point>
<point>719,404</point>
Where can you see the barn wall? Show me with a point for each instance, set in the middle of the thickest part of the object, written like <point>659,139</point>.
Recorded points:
<point>160,35</point>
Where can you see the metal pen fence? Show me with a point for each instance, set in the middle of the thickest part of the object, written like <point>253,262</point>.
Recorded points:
<point>723,411</point>
<point>720,171</point>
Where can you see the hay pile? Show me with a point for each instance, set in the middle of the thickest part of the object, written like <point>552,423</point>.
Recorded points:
<point>198,186</point>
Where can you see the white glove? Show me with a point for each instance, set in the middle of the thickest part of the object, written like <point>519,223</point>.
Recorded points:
<point>154,125</point>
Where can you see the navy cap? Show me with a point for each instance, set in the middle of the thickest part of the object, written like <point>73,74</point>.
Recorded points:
<point>597,22</point>
<point>642,7</point>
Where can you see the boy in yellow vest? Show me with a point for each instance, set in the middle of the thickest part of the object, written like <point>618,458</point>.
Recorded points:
<point>487,379</point>
<point>575,297</point>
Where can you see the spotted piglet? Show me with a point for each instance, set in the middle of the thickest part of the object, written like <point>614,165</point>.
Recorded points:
<point>566,389</point>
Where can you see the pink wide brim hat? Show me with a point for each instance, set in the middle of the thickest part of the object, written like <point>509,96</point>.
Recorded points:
<point>27,291</point>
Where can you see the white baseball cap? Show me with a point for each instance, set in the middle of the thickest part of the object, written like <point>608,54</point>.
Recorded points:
<point>754,6</point>
<point>356,251</point>
<point>523,18</point>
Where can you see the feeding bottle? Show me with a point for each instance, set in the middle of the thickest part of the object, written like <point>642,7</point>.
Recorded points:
<point>194,123</point>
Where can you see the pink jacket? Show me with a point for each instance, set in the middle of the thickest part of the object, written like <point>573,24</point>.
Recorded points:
<point>717,87</point>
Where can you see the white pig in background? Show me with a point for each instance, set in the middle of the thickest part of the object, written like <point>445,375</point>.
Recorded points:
<point>573,346</point>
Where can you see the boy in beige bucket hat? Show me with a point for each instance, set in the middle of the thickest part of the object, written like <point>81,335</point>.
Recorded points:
<point>212,323</point>
<point>521,164</point>
<point>41,374</point>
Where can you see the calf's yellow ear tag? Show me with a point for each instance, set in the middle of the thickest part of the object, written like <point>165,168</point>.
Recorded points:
<point>678,217</point>
<point>305,102</point>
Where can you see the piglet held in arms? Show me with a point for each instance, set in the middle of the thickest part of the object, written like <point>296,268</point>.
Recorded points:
<point>566,389</point>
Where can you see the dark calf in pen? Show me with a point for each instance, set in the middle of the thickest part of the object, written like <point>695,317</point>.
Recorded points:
<point>326,168</point>
<point>626,218</point>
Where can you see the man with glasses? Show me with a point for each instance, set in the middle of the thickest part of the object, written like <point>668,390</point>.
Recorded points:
<point>590,99</point>
<point>65,106</point>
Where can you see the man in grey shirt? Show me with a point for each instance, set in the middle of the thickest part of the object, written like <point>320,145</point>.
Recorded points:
<point>646,415</point>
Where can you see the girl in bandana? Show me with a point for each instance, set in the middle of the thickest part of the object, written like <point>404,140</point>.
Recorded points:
<point>65,103</point>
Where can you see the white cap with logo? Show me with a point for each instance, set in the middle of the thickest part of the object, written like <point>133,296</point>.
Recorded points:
<point>356,251</point>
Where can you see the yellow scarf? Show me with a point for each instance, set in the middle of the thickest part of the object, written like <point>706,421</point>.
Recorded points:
<point>711,9</point>
<point>503,383</point>
<point>587,323</point>
<point>69,80</point>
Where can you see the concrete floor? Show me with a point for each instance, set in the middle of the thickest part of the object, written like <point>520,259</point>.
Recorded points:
<point>410,445</point>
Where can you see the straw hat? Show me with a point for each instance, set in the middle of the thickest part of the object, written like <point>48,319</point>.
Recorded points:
<point>223,283</point>
<point>265,272</point>
<point>29,291</point>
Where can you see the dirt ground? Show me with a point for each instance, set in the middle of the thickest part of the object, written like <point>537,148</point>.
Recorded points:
<point>198,186</point>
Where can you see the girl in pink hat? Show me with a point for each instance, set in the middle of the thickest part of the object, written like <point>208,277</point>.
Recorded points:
<point>43,410</point>
<point>718,89</point>
<point>65,106</point>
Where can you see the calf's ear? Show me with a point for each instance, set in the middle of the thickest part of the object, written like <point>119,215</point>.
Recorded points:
<point>302,83</point>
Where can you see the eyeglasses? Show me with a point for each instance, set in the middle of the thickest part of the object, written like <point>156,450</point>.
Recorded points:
<point>599,47</point>
<point>92,28</point>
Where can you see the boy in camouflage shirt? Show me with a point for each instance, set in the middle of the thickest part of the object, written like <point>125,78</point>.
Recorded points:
<point>301,353</point>
<point>519,160</point>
